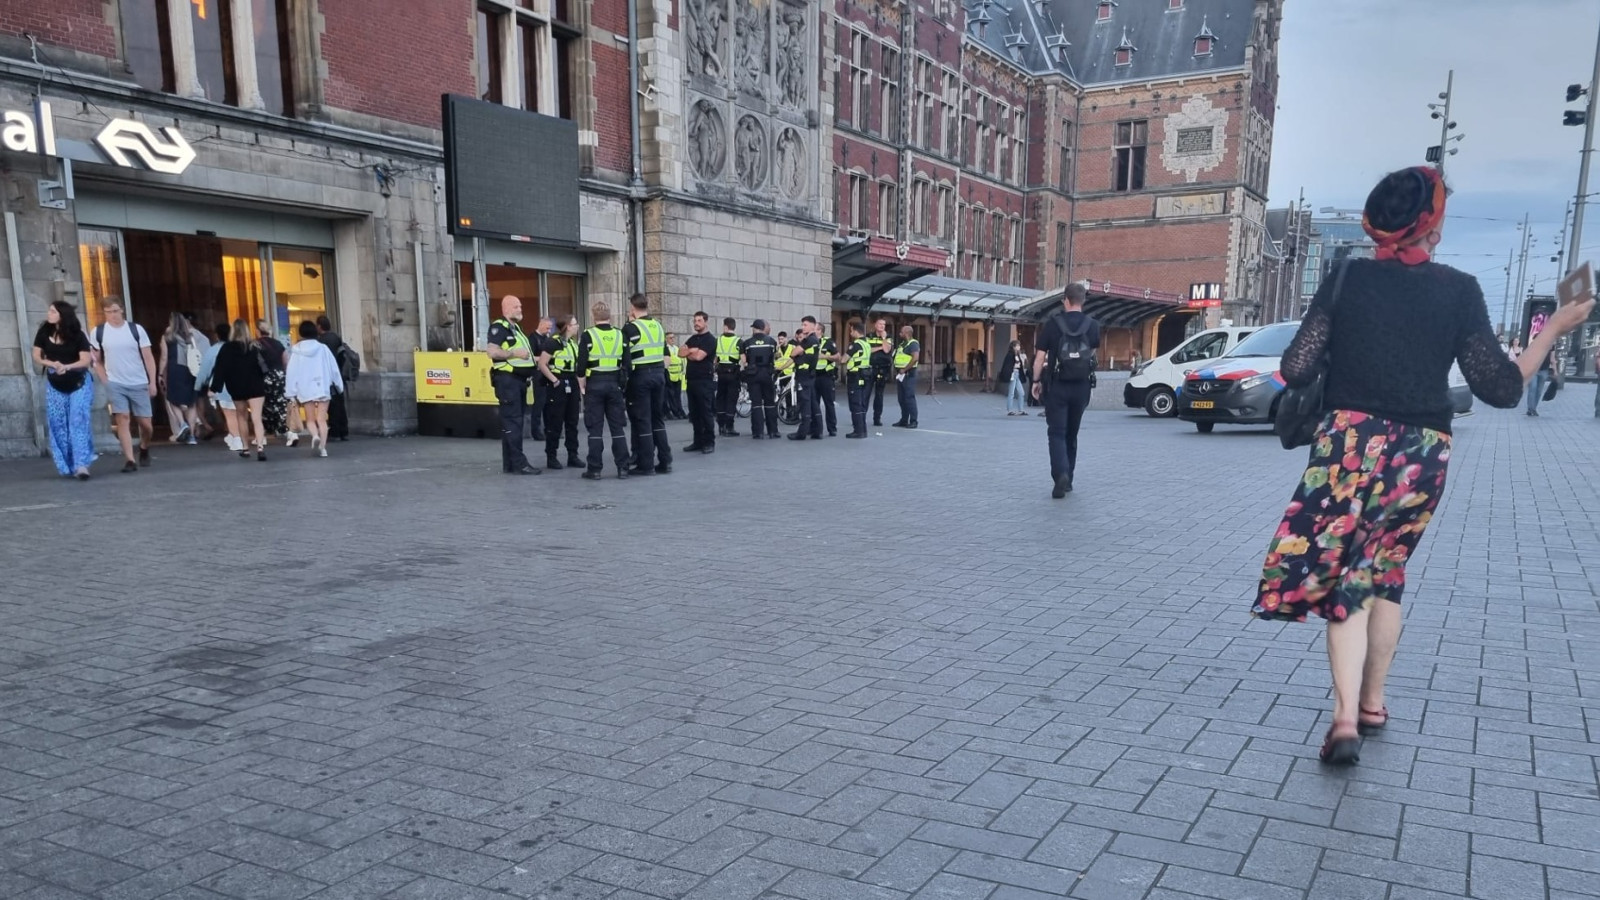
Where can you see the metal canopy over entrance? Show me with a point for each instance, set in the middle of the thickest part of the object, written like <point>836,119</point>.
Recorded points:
<point>1113,305</point>
<point>864,270</point>
<point>952,298</point>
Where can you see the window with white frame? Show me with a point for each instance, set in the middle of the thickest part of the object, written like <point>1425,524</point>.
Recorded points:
<point>922,117</point>
<point>978,126</point>
<point>889,94</point>
<point>951,136</point>
<point>860,80</point>
<point>522,62</point>
<point>888,206</point>
<point>220,47</point>
<point>947,212</point>
<point>921,197</point>
<point>860,202</point>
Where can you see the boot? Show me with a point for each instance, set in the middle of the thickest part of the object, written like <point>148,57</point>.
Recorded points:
<point>553,464</point>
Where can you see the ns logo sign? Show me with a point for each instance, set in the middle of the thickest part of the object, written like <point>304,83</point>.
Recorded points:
<point>124,143</point>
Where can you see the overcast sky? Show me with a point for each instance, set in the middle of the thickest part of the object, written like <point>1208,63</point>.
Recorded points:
<point>1355,80</point>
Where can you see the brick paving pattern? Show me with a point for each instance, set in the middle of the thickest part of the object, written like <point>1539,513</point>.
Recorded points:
<point>872,670</point>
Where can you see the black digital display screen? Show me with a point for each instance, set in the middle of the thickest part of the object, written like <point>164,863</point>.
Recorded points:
<point>509,173</point>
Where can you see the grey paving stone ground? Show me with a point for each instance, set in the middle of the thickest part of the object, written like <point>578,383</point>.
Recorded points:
<point>871,670</point>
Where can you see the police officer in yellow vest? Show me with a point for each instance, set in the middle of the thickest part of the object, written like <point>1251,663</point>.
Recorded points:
<point>563,409</point>
<point>676,366</point>
<point>860,378</point>
<point>602,368</point>
<point>828,359</point>
<point>646,344</point>
<point>907,353</point>
<point>513,362</point>
<point>727,379</point>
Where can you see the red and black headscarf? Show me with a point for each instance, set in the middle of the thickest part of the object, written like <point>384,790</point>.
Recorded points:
<point>1407,243</point>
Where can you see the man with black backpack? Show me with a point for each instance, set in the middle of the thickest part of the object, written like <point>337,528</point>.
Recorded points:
<point>338,417</point>
<point>1063,373</point>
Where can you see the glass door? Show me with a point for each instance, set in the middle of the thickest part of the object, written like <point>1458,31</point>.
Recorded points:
<point>300,288</point>
<point>100,256</point>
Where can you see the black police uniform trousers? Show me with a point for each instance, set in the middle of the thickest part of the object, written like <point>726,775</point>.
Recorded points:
<point>880,378</point>
<point>604,404</point>
<point>822,406</point>
<point>561,414</point>
<point>541,397</point>
<point>728,398</point>
<point>860,386</point>
<point>647,413</point>
<point>1064,403</point>
<point>512,393</point>
<point>907,388</point>
<point>763,404</point>
<point>674,398</point>
<point>805,384</point>
<point>702,415</point>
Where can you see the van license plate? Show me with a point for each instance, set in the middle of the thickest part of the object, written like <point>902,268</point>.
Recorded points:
<point>1202,404</point>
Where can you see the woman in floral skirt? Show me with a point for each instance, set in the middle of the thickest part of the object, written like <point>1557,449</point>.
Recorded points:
<point>1389,329</point>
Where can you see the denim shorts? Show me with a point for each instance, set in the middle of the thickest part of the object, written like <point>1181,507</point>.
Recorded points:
<point>127,398</point>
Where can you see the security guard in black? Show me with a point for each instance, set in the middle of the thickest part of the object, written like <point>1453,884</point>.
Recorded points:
<point>513,361</point>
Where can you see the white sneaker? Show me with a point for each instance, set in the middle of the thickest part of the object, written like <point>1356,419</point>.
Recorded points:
<point>322,452</point>
<point>232,443</point>
<point>292,438</point>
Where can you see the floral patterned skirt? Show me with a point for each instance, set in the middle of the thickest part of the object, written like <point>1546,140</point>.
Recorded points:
<point>1365,499</point>
<point>275,411</point>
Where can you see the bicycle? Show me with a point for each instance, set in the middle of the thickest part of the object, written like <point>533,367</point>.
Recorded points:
<point>788,399</point>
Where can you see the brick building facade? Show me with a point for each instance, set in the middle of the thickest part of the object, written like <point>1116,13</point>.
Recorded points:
<point>1122,143</point>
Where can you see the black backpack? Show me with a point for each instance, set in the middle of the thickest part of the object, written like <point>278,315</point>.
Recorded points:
<point>1074,359</point>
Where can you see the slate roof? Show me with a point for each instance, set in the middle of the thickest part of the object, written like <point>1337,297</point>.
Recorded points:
<point>1164,38</point>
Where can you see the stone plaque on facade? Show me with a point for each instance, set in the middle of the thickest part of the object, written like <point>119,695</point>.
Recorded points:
<point>1195,140</point>
<point>708,141</point>
<point>1200,154</point>
<point>1191,205</point>
<point>750,153</point>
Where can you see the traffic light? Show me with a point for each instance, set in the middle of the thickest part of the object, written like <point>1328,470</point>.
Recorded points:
<point>1574,117</point>
<point>1574,91</point>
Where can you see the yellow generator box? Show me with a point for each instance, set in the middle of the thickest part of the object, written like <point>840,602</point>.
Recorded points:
<point>453,377</point>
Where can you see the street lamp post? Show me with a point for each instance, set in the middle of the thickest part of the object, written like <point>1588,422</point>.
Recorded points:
<point>1441,111</point>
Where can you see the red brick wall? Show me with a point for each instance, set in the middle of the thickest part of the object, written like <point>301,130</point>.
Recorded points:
<point>1168,256</point>
<point>612,15</point>
<point>78,25</point>
<point>396,71</point>
<point>612,108</point>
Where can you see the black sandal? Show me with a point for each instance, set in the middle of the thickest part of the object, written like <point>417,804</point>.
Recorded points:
<point>1340,751</point>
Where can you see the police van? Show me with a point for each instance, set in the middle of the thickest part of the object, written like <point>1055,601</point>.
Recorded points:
<point>1154,383</point>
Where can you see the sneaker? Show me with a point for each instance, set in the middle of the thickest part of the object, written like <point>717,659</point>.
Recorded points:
<point>129,466</point>
<point>191,441</point>
<point>82,474</point>
<point>292,438</point>
<point>184,437</point>
<point>322,452</point>
<point>144,457</point>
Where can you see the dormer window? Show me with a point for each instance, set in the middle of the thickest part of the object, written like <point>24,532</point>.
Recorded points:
<point>1174,4</point>
<point>1125,50</point>
<point>1103,13</point>
<point>1205,41</point>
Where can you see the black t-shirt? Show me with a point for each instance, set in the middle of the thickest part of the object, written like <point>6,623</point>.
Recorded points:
<point>759,351</point>
<point>702,369</point>
<point>1051,335</point>
<point>807,360</point>
<point>66,353</point>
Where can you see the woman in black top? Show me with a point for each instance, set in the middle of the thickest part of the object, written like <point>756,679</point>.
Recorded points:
<point>242,370</point>
<point>275,413</point>
<point>1378,462</point>
<point>62,349</point>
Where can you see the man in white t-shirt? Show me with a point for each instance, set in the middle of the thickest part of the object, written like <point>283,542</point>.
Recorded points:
<point>122,359</point>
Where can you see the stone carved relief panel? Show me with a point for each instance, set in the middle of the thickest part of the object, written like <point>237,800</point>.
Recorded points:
<point>708,141</point>
<point>752,43</point>
<point>706,30</point>
<point>750,153</point>
<point>790,171</point>
<point>751,67</point>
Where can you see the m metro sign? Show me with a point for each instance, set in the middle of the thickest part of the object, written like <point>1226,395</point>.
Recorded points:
<point>124,143</point>
<point>1205,295</point>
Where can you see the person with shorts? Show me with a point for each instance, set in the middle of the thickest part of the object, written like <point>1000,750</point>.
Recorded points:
<point>124,361</point>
